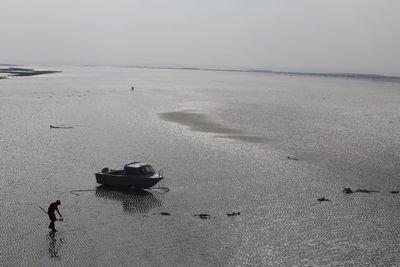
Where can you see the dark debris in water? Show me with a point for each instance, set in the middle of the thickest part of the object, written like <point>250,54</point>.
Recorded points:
<point>61,127</point>
<point>203,216</point>
<point>233,214</point>
<point>394,192</point>
<point>292,158</point>
<point>323,199</point>
<point>348,190</point>
<point>365,191</point>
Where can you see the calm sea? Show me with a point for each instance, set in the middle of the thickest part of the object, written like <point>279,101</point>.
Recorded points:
<point>265,145</point>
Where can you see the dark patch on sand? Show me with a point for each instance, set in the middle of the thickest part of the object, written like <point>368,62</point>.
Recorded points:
<point>200,123</point>
<point>246,138</point>
<point>197,122</point>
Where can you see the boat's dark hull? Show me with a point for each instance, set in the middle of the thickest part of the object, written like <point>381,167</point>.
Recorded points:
<point>126,181</point>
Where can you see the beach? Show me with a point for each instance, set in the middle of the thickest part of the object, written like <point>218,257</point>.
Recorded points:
<point>264,145</point>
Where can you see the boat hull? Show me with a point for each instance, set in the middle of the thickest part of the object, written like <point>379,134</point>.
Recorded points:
<point>127,181</point>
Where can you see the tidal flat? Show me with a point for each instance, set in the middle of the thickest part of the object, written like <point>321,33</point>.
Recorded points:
<point>255,164</point>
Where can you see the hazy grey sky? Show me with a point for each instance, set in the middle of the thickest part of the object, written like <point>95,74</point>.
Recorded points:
<point>298,35</point>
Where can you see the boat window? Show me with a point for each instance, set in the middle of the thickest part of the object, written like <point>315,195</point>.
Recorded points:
<point>142,171</point>
<point>132,171</point>
<point>149,170</point>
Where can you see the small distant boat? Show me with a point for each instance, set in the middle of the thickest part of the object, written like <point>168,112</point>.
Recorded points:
<point>135,174</point>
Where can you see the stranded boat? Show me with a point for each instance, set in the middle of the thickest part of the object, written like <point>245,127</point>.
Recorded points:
<point>134,174</point>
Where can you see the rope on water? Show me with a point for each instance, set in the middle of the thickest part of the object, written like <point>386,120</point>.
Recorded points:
<point>80,190</point>
<point>161,186</point>
<point>164,188</point>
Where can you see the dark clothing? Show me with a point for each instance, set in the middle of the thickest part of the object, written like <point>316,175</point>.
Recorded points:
<point>53,208</point>
<point>52,215</point>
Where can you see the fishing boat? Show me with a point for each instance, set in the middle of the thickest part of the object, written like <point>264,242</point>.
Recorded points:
<point>135,174</point>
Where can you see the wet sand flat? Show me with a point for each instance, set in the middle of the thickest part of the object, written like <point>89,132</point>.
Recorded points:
<point>246,156</point>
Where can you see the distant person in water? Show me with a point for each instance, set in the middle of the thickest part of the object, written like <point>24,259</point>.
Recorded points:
<point>52,215</point>
<point>132,88</point>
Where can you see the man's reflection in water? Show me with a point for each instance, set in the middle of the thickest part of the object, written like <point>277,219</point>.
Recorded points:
<point>55,242</point>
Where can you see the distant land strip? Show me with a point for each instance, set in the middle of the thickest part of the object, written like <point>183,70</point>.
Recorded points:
<point>12,71</point>
<point>3,64</point>
<point>375,77</point>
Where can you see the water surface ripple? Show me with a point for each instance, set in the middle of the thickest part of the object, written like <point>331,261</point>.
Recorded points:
<point>265,145</point>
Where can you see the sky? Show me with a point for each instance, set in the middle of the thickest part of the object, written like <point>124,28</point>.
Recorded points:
<point>360,36</point>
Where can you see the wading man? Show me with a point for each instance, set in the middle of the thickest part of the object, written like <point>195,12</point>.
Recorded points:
<point>52,215</point>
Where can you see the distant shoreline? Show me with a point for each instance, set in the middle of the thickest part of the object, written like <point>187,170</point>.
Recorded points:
<point>12,71</point>
<point>15,70</point>
<point>375,77</point>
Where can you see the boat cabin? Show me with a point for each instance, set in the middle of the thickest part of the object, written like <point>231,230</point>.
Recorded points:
<point>138,169</point>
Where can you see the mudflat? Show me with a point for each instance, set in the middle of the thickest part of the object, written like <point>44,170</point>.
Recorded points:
<point>256,165</point>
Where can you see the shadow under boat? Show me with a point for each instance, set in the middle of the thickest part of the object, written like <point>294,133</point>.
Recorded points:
<point>133,200</point>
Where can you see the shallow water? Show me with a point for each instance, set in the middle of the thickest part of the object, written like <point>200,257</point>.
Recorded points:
<point>223,140</point>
